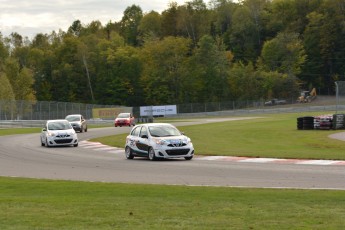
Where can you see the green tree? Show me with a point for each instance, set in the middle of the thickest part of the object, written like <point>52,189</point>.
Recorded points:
<point>211,65</point>
<point>21,80</point>
<point>284,53</point>
<point>169,20</point>
<point>6,92</point>
<point>129,24</point>
<point>162,78</point>
<point>193,20</point>
<point>244,83</point>
<point>150,26</point>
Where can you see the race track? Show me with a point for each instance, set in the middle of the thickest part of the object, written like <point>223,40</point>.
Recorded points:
<point>23,156</point>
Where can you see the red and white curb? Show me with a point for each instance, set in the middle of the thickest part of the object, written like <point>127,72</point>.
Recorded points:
<point>271,160</point>
<point>100,147</point>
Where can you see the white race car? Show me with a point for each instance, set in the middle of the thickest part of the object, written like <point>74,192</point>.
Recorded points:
<point>158,140</point>
<point>57,133</point>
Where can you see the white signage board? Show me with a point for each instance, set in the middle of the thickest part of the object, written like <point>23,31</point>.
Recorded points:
<point>161,110</point>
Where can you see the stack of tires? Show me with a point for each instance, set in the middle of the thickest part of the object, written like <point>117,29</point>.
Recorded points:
<point>300,123</point>
<point>308,123</point>
<point>338,121</point>
<point>317,122</point>
<point>326,122</point>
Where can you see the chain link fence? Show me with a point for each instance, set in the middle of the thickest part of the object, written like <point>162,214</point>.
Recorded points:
<point>45,110</point>
<point>38,111</point>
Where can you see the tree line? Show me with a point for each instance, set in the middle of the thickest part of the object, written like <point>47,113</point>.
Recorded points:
<point>195,52</point>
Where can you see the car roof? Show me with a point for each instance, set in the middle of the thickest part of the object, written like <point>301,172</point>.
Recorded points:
<point>57,120</point>
<point>73,115</point>
<point>157,124</point>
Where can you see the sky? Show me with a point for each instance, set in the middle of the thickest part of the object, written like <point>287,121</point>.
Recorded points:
<point>30,17</point>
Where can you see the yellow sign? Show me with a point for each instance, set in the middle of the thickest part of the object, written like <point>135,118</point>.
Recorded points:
<point>110,113</point>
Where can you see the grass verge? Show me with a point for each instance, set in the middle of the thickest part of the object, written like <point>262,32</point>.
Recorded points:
<point>14,131</point>
<point>47,204</point>
<point>269,136</point>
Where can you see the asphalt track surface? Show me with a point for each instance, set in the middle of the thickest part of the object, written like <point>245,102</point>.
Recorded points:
<point>23,156</point>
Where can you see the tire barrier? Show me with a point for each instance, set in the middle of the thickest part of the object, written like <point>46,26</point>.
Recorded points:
<point>308,123</point>
<point>338,121</point>
<point>324,122</point>
<point>144,120</point>
<point>300,123</point>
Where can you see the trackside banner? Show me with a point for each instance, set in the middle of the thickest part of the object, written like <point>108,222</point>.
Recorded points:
<point>110,113</point>
<point>161,110</point>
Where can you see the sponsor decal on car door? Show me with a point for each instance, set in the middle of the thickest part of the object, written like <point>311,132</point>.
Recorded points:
<point>143,141</point>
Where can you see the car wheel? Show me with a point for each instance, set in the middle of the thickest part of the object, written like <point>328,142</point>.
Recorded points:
<point>75,145</point>
<point>42,144</point>
<point>85,129</point>
<point>81,129</point>
<point>188,158</point>
<point>47,143</point>
<point>152,155</point>
<point>129,153</point>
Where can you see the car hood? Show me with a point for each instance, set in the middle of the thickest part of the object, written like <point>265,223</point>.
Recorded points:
<point>173,139</point>
<point>121,119</point>
<point>63,132</point>
<point>75,122</point>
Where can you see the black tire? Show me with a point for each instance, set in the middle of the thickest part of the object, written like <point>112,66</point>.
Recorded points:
<point>42,144</point>
<point>129,153</point>
<point>81,129</point>
<point>188,158</point>
<point>152,155</point>
<point>75,145</point>
<point>85,129</point>
<point>47,143</point>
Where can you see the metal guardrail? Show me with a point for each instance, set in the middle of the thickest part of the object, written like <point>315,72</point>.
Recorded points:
<point>277,110</point>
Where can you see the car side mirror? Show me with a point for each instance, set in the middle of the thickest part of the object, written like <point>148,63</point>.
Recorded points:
<point>144,136</point>
<point>44,129</point>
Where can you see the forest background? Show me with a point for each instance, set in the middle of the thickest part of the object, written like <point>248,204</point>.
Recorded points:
<point>195,52</point>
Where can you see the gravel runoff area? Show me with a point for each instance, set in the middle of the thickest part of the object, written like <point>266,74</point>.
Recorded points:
<point>338,136</point>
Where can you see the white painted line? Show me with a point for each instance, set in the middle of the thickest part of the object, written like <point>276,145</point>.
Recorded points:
<point>95,146</point>
<point>317,162</point>
<point>258,160</point>
<point>212,158</point>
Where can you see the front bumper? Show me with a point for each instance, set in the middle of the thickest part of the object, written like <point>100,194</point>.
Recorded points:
<point>178,152</point>
<point>122,123</point>
<point>76,127</point>
<point>61,141</point>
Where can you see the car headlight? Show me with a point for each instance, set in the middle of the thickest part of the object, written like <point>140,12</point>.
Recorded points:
<point>161,142</point>
<point>51,134</point>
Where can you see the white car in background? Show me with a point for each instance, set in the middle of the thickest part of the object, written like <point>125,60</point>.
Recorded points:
<point>57,133</point>
<point>158,140</point>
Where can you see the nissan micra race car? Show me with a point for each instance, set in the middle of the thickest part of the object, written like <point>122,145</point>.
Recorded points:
<point>58,132</point>
<point>158,140</point>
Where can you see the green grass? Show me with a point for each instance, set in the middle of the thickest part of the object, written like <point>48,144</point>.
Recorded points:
<point>51,204</point>
<point>14,131</point>
<point>47,204</point>
<point>269,136</point>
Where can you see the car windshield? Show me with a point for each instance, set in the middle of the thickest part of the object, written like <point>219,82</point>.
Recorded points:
<point>73,118</point>
<point>59,126</point>
<point>123,115</point>
<point>163,131</point>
